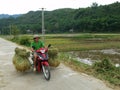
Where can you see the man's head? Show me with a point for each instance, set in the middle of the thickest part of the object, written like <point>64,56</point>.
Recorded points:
<point>36,38</point>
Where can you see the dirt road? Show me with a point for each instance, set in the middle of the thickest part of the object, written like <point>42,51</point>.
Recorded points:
<point>62,77</point>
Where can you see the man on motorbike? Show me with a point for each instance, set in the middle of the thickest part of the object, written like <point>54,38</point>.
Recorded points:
<point>35,45</point>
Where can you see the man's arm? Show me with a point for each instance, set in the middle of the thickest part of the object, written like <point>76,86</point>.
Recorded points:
<point>43,45</point>
<point>32,47</point>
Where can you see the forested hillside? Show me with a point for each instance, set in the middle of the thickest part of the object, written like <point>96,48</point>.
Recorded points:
<point>7,16</point>
<point>91,19</point>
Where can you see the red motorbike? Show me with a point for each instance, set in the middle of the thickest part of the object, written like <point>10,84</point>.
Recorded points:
<point>42,62</point>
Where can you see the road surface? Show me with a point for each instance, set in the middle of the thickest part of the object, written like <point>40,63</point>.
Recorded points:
<point>62,77</point>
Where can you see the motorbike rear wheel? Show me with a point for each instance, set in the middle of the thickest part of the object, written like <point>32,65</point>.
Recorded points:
<point>46,72</point>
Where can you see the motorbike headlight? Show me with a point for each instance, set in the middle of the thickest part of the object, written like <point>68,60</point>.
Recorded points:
<point>42,51</point>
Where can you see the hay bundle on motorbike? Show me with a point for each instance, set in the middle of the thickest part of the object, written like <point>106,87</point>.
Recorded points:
<point>20,60</point>
<point>53,57</point>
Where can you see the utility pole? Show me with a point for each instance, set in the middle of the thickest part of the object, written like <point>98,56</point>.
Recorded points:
<point>10,29</point>
<point>43,27</point>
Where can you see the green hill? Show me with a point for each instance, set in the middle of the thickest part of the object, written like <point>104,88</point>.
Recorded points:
<point>96,18</point>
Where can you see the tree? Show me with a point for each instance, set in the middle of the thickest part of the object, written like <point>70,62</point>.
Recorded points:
<point>14,31</point>
<point>94,5</point>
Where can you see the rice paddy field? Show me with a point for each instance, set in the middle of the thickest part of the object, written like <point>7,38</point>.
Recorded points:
<point>79,42</point>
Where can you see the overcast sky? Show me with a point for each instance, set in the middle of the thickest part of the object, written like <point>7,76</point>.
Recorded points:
<point>24,6</point>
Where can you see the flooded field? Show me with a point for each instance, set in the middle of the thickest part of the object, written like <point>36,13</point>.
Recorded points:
<point>91,56</point>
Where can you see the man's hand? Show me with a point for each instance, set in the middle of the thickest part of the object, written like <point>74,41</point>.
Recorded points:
<point>32,50</point>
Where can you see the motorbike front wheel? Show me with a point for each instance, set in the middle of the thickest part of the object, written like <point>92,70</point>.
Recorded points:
<point>46,72</point>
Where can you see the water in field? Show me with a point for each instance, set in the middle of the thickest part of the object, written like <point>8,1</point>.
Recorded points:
<point>86,61</point>
<point>91,56</point>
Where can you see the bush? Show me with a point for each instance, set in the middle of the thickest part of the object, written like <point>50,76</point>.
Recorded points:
<point>25,41</point>
<point>15,39</point>
<point>106,70</point>
<point>103,66</point>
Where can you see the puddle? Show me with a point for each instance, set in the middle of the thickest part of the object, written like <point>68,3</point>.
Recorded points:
<point>117,65</point>
<point>87,61</point>
<point>90,62</point>
<point>110,51</point>
<point>107,51</point>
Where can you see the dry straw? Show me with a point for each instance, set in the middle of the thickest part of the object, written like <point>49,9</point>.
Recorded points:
<point>53,57</point>
<point>20,60</point>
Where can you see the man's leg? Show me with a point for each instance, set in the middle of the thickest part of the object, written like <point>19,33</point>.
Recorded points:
<point>35,58</point>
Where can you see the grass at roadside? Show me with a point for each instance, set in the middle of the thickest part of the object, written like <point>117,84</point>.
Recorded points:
<point>73,63</point>
<point>104,70</point>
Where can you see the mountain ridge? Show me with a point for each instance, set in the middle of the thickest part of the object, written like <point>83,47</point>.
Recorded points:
<point>7,15</point>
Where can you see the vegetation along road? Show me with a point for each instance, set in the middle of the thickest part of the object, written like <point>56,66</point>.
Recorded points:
<point>62,77</point>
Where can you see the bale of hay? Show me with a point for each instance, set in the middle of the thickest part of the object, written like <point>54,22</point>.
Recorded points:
<point>54,63</point>
<point>53,52</point>
<point>53,55</point>
<point>22,52</point>
<point>20,60</point>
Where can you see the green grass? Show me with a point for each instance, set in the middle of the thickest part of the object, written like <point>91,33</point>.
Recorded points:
<point>78,42</point>
<point>107,71</point>
<point>84,42</point>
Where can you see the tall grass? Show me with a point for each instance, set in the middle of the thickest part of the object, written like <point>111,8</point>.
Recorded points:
<point>107,71</point>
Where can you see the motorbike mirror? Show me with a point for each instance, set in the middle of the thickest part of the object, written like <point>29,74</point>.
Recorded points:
<point>49,45</point>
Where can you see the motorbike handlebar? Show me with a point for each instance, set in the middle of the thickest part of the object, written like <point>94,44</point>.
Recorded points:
<point>49,45</point>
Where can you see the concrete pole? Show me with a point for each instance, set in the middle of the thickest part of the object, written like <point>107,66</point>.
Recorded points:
<point>43,27</point>
<point>10,29</point>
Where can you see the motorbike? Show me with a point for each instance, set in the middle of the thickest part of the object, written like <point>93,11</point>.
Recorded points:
<point>42,62</point>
